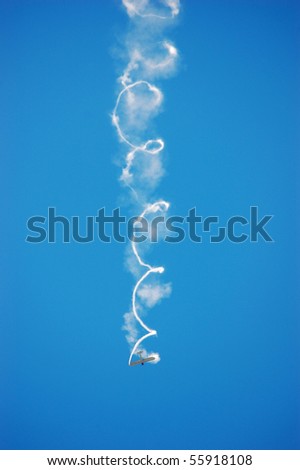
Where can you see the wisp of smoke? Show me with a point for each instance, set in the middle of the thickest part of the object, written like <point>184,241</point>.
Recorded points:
<point>147,9</point>
<point>137,103</point>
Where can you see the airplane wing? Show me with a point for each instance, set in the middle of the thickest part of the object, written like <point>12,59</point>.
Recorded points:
<point>142,361</point>
<point>135,363</point>
<point>148,359</point>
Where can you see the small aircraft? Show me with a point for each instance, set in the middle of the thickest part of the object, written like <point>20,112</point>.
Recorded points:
<point>142,359</point>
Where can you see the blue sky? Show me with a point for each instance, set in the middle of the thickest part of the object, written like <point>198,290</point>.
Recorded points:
<point>229,334</point>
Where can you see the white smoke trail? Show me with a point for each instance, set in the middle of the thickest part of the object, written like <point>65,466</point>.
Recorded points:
<point>137,103</point>
<point>144,9</point>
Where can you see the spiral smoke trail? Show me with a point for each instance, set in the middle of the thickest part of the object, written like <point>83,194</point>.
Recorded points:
<point>150,56</point>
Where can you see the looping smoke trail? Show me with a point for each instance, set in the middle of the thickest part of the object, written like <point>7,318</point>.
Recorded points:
<point>141,100</point>
<point>157,206</point>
